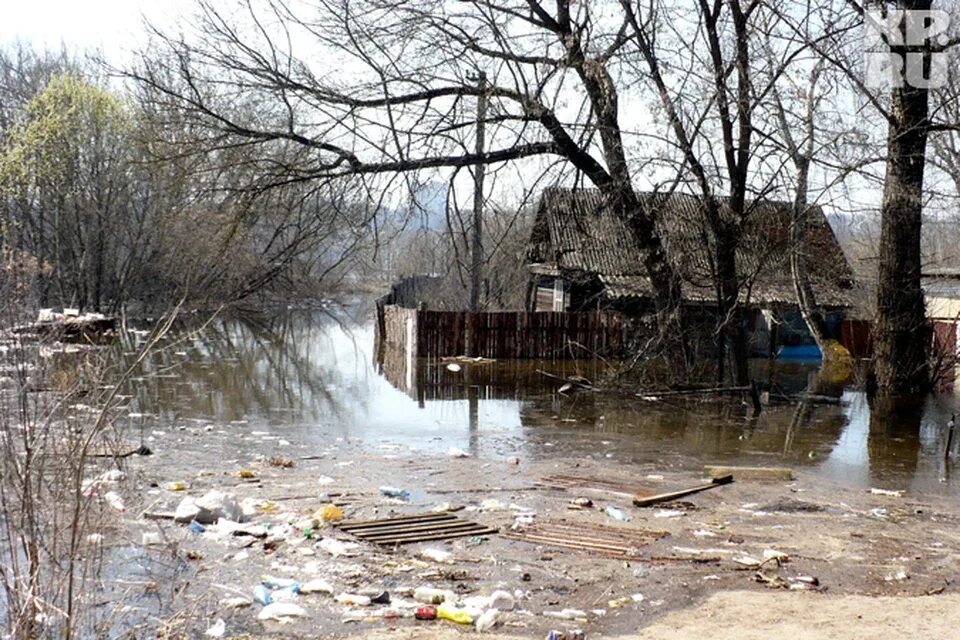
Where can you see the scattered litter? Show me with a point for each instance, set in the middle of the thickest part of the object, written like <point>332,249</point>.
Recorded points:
<point>456,452</point>
<point>280,611</point>
<point>454,367</point>
<point>114,500</point>
<point>444,507</point>
<point>566,614</point>
<point>336,547</point>
<point>425,613</point>
<point>414,528</point>
<point>395,492</point>
<point>316,586</point>
<point>328,513</point>
<point>217,630</point>
<point>617,514</point>
<point>488,620</point>
<point>247,474</point>
<point>262,595</point>
<point>454,614</point>
<point>898,576</point>
<point>353,599</point>
<point>238,602</point>
<point>886,492</point>
<point>668,513</point>
<point>113,475</point>
<point>178,485</point>
<point>780,556</point>
<point>429,595</point>
<point>150,538</point>
<point>437,555</point>
<point>213,506</point>
<point>582,503</point>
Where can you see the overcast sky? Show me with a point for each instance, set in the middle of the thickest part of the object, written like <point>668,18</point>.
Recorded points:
<point>113,26</point>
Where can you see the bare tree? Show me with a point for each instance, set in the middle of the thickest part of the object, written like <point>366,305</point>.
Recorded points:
<point>407,103</point>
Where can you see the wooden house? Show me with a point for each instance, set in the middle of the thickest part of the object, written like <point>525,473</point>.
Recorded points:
<point>583,255</point>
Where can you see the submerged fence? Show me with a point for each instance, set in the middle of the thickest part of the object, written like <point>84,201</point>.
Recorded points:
<point>545,335</point>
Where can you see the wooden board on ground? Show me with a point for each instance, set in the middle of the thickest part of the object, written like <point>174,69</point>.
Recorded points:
<point>606,540</point>
<point>419,527</point>
<point>646,501</point>
<point>770,474</point>
<point>596,485</point>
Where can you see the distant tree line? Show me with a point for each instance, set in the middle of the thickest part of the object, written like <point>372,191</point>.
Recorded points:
<point>103,204</point>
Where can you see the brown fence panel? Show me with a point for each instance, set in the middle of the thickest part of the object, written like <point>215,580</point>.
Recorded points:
<point>504,334</point>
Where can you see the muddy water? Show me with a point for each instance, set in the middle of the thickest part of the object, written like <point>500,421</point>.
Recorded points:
<point>310,377</point>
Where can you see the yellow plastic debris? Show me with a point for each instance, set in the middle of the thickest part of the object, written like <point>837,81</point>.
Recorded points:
<point>247,473</point>
<point>447,612</point>
<point>267,507</point>
<point>328,513</point>
<point>178,485</point>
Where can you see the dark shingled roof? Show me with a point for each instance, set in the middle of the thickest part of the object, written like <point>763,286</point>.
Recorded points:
<point>575,232</point>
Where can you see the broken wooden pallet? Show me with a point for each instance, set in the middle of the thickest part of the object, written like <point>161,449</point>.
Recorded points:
<point>607,540</point>
<point>414,528</point>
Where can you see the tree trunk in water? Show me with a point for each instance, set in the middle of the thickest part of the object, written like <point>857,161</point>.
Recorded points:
<point>806,298</point>
<point>901,335</point>
<point>730,311</point>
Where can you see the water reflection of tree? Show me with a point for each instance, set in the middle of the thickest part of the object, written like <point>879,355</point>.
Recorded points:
<point>253,365</point>
<point>893,444</point>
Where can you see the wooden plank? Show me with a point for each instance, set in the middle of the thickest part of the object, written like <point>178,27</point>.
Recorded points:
<point>464,529</point>
<point>411,527</point>
<point>674,495</point>
<point>350,524</point>
<point>443,536</point>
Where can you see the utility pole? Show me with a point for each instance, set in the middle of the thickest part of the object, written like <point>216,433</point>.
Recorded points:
<point>476,245</point>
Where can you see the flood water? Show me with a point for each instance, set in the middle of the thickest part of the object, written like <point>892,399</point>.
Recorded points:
<point>310,377</point>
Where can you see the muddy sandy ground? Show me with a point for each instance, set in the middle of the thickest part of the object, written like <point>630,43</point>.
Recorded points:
<point>901,552</point>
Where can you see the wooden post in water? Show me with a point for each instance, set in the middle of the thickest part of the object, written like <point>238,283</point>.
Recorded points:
<point>950,427</point>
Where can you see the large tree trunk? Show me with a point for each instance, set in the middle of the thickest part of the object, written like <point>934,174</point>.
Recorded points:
<point>730,314</point>
<point>901,335</point>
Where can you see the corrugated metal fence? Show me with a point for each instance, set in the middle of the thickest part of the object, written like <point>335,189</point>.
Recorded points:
<point>502,334</point>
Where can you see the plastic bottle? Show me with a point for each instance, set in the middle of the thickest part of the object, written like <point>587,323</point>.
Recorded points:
<point>617,514</point>
<point>395,492</point>
<point>272,582</point>
<point>262,595</point>
<point>430,595</point>
<point>566,614</point>
<point>449,612</point>
<point>353,599</point>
